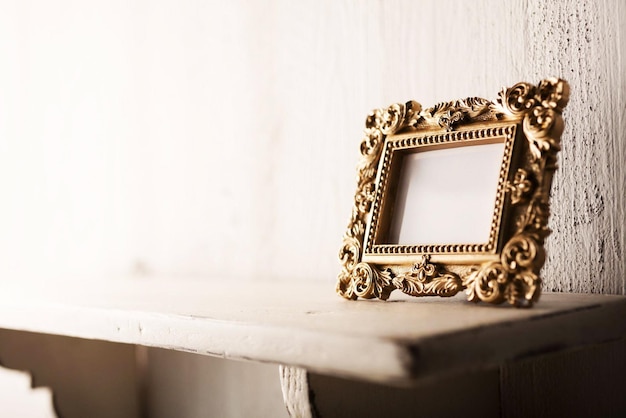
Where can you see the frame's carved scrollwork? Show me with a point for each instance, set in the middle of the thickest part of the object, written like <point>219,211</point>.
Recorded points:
<point>511,272</point>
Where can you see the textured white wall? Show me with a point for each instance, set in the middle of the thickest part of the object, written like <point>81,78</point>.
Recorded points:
<point>220,138</point>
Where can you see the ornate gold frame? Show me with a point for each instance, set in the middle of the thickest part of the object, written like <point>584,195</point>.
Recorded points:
<point>528,120</point>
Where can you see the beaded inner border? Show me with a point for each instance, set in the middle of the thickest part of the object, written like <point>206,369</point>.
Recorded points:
<point>474,136</point>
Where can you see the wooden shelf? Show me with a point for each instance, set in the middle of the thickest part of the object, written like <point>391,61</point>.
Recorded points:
<point>307,325</point>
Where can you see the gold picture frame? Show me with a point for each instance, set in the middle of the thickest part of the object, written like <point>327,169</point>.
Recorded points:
<point>526,120</point>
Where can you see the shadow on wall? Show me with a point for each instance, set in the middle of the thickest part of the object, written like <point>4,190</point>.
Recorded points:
<point>89,378</point>
<point>586,382</point>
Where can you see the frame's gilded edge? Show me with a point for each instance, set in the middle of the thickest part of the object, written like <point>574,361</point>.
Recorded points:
<point>514,275</point>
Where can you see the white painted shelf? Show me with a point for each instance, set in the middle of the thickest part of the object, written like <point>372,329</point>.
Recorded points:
<point>309,326</point>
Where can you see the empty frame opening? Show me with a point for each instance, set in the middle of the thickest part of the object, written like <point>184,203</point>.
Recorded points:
<point>446,196</point>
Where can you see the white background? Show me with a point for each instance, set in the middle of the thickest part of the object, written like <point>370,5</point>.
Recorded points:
<point>220,139</point>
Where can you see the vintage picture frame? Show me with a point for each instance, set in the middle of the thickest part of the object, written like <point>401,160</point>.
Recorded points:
<point>526,120</point>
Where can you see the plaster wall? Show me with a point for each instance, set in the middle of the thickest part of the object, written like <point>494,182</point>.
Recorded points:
<point>220,139</point>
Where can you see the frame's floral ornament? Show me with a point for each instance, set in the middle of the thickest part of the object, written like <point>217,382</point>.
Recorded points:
<point>514,276</point>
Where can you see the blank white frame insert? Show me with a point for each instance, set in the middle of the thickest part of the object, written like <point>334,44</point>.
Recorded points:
<point>446,196</point>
